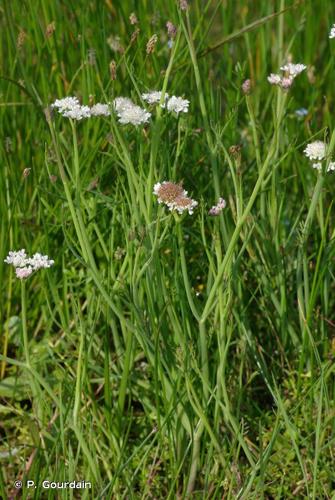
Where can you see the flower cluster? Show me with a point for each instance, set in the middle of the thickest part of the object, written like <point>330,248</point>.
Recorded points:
<point>317,151</point>
<point>174,196</point>
<point>177,105</point>
<point>291,71</point>
<point>173,104</point>
<point>71,108</point>
<point>332,32</point>
<point>24,265</point>
<point>217,209</point>
<point>126,110</point>
<point>154,97</point>
<point>100,110</point>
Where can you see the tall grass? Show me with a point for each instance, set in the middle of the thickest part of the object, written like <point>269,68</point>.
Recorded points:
<point>167,355</point>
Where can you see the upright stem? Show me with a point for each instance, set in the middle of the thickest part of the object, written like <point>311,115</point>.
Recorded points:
<point>25,341</point>
<point>24,323</point>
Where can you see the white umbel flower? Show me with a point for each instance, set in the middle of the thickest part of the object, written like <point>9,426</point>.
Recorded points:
<point>65,104</point>
<point>24,265</point>
<point>39,261</point>
<point>100,110</point>
<point>293,69</point>
<point>332,32</point>
<point>178,105</point>
<point>77,113</point>
<point>70,108</point>
<point>16,258</point>
<point>318,166</point>
<point>122,103</point>
<point>315,150</point>
<point>154,97</point>
<point>134,115</point>
<point>274,79</point>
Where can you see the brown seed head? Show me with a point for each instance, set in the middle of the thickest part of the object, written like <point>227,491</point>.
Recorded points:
<point>112,69</point>
<point>152,44</point>
<point>8,144</point>
<point>235,150</point>
<point>133,19</point>
<point>48,114</point>
<point>183,202</point>
<point>50,29</point>
<point>134,35</point>
<point>168,191</point>
<point>21,39</point>
<point>91,57</point>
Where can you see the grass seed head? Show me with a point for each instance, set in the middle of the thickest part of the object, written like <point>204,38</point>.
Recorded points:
<point>112,69</point>
<point>151,44</point>
<point>134,35</point>
<point>133,18</point>
<point>21,38</point>
<point>50,29</point>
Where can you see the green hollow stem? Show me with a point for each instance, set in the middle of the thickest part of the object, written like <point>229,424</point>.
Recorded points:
<point>78,391</point>
<point>25,342</point>
<point>157,129</point>
<point>224,267</point>
<point>82,235</point>
<point>10,281</point>
<point>24,323</point>
<point>302,267</point>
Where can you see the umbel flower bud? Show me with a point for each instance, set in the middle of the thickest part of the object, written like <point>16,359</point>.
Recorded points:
<point>246,87</point>
<point>171,29</point>
<point>133,18</point>
<point>183,4</point>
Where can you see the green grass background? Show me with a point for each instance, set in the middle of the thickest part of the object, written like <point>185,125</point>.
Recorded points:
<point>168,356</point>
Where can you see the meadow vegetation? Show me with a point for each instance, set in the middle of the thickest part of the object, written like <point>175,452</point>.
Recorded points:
<point>180,341</point>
